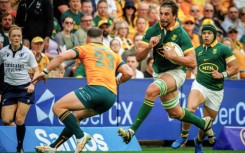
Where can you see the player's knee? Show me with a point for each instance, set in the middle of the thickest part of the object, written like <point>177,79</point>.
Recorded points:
<point>192,109</point>
<point>160,86</point>
<point>7,122</point>
<point>152,92</point>
<point>175,115</point>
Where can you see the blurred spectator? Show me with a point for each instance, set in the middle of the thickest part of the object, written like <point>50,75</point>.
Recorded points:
<point>36,18</point>
<point>239,56</point>
<point>74,11</point>
<point>188,25</point>
<point>239,3</point>
<point>115,45</point>
<point>232,18</point>
<point>87,7</point>
<point>186,6</point>
<point>219,35</point>
<point>119,8</point>
<point>232,33</point>
<point>37,47</point>
<point>59,7</point>
<point>67,40</point>
<point>137,39</point>
<point>14,4</point>
<point>133,64</point>
<point>7,21</point>
<point>111,5</point>
<point>152,15</point>
<point>102,8</point>
<point>141,25</point>
<point>219,14</point>
<point>195,12</point>
<point>242,15</point>
<point>51,49</point>
<point>129,15</point>
<point>149,70</point>
<point>142,9</point>
<point>26,43</point>
<point>122,34</point>
<point>209,14</point>
<point>86,23</point>
<point>104,26</point>
<point>57,27</point>
<point>58,72</point>
<point>5,7</point>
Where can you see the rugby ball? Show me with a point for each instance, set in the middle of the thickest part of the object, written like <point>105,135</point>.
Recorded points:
<point>177,50</point>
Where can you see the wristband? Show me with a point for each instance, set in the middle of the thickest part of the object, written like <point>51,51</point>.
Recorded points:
<point>45,71</point>
<point>225,74</point>
<point>118,81</point>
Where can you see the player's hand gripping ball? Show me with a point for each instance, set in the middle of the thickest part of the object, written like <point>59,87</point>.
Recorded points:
<point>177,50</point>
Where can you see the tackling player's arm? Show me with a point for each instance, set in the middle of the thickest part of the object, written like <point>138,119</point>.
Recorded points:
<point>67,55</point>
<point>127,73</point>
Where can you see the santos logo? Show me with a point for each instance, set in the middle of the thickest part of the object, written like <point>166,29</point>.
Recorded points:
<point>44,106</point>
<point>97,142</point>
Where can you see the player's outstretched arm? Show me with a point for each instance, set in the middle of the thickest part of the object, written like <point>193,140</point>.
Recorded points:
<point>67,55</point>
<point>127,73</point>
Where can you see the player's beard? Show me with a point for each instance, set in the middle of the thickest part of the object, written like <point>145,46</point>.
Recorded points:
<point>165,24</point>
<point>105,33</point>
<point>6,27</point>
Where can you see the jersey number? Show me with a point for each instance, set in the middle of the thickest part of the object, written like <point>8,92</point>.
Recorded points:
<point>102,61</point>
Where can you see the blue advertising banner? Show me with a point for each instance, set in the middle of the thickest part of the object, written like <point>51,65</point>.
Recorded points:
<point>231,138</point>
<point>103,139</point>
<point>157,126</point>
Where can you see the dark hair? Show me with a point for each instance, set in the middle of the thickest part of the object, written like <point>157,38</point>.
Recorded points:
<point>94,32</point>
<point>101,1</point>
<point>114,40</point>
<point>86,1</point>
<point>67,17</point>
<point>174,7</point>
<point>86,14</point>
<point>7,14</point>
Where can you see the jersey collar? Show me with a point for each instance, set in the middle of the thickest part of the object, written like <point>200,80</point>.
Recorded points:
<point>21,46</point>
<point>211,45</point>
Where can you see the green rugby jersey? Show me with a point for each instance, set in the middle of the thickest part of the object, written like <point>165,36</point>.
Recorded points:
<point>214,57</point>
<point>174,34</point>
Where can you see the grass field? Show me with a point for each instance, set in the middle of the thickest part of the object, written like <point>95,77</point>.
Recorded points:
<point>170,150</point>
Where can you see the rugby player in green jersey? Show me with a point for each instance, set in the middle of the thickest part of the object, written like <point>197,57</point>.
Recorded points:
<point>168,77</point>
<point>215,62</point>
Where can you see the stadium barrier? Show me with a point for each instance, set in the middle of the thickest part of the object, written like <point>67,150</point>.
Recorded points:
<point>157,126</point>
<point>103,139</point>
<point>231,138</point>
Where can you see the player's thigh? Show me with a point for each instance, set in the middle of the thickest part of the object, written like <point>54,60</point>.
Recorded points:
<point>8,112</point>
<point>69,102</point>
<point>21,112</point>
<point>169,81</point>
<point>195,98</point>
<point>210,112</point>
<point>82,114</point>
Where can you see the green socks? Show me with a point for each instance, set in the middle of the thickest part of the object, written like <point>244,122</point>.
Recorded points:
<point>191,118</point>
<point>64,136</point>
<point>145,109</point>
<point>70,122</point>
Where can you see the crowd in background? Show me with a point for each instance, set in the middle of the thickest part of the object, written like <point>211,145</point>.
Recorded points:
<point>50,27</point>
